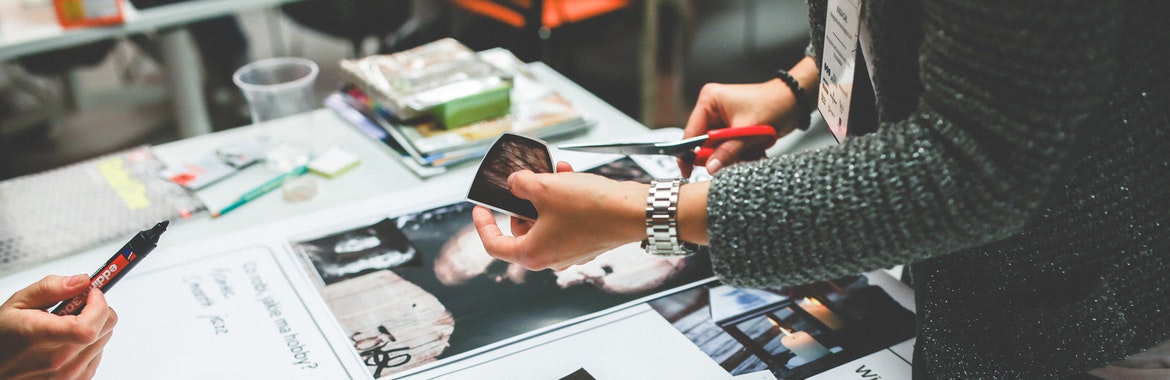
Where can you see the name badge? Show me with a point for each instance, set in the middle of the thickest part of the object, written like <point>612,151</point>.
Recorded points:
<point>842,24</point>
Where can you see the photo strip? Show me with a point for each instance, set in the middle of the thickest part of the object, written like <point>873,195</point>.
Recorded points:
<point>794,333</point>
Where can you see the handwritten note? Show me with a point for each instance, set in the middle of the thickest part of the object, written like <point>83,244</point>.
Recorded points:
<point>206,316</point>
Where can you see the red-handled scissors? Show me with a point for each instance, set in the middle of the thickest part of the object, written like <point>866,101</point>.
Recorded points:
<point>700,147</point>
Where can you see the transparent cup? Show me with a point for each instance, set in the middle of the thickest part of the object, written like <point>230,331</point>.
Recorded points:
<point>278,87</point>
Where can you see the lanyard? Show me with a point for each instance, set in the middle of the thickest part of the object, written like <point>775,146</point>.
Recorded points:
<point>842,29</point>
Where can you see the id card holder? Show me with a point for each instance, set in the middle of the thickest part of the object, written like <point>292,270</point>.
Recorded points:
<point>842,26</point>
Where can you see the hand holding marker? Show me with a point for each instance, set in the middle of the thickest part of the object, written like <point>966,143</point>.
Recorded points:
<point>134,251</point>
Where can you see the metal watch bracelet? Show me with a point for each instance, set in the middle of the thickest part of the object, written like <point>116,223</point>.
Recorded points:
<point>662,219</point>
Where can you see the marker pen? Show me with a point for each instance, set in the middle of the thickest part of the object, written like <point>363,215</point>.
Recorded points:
<point>134,251</point>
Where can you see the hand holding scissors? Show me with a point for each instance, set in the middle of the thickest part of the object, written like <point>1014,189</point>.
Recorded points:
<point>695,149</point>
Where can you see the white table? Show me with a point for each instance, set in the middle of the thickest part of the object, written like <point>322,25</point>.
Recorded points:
<point>378,184</point>
<point>378,173</point>
<point>34,29</point>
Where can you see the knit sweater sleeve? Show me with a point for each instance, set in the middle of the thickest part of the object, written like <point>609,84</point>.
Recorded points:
<point>1007,86</point>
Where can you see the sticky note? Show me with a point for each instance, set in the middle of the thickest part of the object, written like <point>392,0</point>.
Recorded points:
<point>333,162</point>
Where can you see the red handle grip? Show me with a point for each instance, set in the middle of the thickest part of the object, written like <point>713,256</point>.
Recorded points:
<point>718,136</point>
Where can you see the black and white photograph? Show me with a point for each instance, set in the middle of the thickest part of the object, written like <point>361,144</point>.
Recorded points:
<point>452,297</point>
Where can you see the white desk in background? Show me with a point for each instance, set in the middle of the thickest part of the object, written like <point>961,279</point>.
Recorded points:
<point>30,29</point>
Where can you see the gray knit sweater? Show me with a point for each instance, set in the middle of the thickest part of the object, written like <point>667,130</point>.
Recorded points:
<point>1021,164</point>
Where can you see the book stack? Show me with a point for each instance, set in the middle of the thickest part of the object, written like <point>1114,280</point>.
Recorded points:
<point>449,118</point>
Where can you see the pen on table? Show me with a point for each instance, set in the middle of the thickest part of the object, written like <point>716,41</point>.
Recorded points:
<point>134,251</point>
<point>262,189</point>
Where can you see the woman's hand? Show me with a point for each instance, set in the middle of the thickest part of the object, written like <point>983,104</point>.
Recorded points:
<point>38,344</point>
<point>580,216</point>
<point>740,105</point>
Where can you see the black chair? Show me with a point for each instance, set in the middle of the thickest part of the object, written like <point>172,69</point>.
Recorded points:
<point>353,20</point>
<point>58,63</point>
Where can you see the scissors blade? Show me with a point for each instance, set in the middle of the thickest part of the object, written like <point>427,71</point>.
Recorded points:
<point>669,148</point>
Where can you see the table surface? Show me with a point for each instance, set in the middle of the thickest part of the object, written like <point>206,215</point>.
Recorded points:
<point>30,27</point>
<point>378,182</point>
<point>378,175</point>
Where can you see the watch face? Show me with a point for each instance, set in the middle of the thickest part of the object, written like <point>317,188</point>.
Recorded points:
<point>510,153</point>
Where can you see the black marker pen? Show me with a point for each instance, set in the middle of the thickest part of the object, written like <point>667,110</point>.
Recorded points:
<point>134,251</point>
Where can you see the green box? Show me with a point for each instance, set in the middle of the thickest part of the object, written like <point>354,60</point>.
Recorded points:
<point>490,104</point>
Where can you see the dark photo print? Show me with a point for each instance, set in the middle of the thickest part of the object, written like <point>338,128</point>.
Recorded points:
<point>510,154</point>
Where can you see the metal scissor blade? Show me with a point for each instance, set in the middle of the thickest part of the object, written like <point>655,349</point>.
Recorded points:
<point>670,148</point>
<point>626,149</point>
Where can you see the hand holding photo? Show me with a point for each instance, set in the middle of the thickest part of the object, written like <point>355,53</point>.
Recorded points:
<point>509,154</point>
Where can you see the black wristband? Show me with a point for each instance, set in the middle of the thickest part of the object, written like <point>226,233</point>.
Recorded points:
<point>802,101</point>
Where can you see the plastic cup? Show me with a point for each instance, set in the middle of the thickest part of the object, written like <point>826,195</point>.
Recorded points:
<point>278,87</point>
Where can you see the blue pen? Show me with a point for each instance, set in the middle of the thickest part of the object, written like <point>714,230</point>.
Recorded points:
<point>263,189</point>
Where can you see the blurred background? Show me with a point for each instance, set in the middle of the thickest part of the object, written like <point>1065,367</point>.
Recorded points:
<point>68,105</point>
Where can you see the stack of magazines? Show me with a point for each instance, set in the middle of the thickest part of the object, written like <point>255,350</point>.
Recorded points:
<point>426,144</point>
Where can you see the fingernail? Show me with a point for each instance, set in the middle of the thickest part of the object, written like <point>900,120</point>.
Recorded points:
<point>76,280</point>
<point>713,165</point>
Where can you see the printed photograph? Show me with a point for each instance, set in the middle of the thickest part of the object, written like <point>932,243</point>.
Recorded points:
<point>450,297</point>
<point>794,333</point>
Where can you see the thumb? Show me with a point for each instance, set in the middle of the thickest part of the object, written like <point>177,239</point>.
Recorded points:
<point>522,184</point>
<point>563,166</point>
<point>50,290</point>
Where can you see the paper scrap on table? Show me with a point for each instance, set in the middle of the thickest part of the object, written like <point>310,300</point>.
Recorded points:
<point>333,162</point>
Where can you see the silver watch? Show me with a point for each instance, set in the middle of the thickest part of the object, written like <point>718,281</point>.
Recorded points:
<point>662,219</point>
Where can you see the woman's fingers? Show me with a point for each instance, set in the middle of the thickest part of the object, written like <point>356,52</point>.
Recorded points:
<point>494,240</point>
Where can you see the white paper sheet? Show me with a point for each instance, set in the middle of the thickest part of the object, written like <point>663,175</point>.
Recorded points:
<point>227,315</point>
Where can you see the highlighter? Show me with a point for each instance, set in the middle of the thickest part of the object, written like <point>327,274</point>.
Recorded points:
<point>133,252</point>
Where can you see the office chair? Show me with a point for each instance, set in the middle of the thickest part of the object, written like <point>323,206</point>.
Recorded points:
<point>55,65</point>
<point>536,19</point>
<point>353,20</point>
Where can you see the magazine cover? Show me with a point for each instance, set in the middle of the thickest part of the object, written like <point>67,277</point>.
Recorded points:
<point>418,288</point>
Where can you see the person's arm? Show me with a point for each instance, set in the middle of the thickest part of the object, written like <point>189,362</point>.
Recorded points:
<point>1002,103</point>
<point>41,345</point>
<point>582,215</point>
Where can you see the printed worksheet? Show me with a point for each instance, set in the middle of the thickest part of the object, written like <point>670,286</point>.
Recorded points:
<point>226,315</point>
